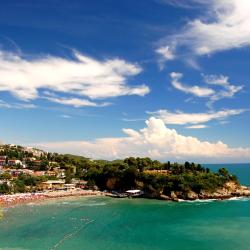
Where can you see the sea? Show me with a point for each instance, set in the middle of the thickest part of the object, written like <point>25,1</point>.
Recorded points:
<point>103,223</point>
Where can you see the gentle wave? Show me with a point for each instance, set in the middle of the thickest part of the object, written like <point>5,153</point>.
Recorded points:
<point>239,199</point>
<point>198,200</point>
<point>213,200</point>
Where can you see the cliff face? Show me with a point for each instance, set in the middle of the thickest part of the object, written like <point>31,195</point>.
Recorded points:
<point>230,189</point>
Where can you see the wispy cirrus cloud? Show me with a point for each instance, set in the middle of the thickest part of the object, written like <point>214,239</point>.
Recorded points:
<point>226,89</point>
<point>65,116</point>
<point>80,76</point>
<point>198,126</point>
<point>224,25</point>
<point>166,54</point>
<point>76,102</point>
<point>194,90</point>
<point>184,3</point>
<point>156,141</point>
<point>181,118</point>
<point>7,105</point>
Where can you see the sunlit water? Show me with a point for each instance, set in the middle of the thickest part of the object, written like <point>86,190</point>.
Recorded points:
<point>129,224</point>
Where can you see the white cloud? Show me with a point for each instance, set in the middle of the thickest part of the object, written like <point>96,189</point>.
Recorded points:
<point>225,25</point>
<point>156,141</point>
<point>180,118</point>
<point>227,90</point>
<point>6,105</point>
<point>184,3</point>
<point>76,102</point>
<point>65,116</point>
<point>82,76</point>
<point>198,126</point>
<point>166,54</point>
<point>195,90</point>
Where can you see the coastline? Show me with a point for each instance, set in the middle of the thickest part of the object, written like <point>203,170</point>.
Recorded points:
<point>222,194</point>
<point>22,198</point>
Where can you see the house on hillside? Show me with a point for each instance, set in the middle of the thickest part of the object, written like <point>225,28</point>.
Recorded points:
<point>14,163</point>
<point>2,163</point>
<point>39,173</point>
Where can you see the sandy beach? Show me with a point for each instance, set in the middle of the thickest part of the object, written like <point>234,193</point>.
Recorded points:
<point>20,198</point>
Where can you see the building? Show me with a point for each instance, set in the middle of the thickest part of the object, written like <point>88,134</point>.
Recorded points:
<point>134,193</point>
<point>39,173</point>
<point>14,162</point>
<point>60,173</point>
<point>80,183</point>
<point>50,173</point>
<point>69,187</point>
<point>2,163</point>
<point>52,185</point>
<point>34,151</point>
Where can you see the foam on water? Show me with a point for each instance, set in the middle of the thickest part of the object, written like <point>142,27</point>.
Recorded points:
<point>198,200</point>
<point>239,199</point>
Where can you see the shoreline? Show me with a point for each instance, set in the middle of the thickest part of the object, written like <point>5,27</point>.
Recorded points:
<point>23,198</point>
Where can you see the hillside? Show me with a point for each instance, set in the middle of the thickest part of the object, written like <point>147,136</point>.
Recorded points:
<point>23,169</point>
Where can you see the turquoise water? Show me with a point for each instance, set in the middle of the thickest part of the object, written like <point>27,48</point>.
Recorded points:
<point>125,224</point>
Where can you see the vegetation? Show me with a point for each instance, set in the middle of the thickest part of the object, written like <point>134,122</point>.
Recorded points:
<point>149,175</point>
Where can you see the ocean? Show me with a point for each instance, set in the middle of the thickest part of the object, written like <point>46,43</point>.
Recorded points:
<point>102,223</point>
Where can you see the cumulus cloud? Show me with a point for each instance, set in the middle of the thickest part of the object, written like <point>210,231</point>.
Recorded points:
<point>224,26</point>
<point>227,90</point>
<point>180,118</point>
<point>83,76</point>
<point>156,141</point>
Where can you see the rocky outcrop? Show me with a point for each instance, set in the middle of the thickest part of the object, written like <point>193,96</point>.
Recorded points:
<point>230,189</point>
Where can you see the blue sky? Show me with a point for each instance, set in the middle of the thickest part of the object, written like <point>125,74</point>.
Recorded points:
<point>107,79</point>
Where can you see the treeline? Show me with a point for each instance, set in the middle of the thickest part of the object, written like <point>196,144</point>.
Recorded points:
<point>133,173</point>
<point>152,176</point>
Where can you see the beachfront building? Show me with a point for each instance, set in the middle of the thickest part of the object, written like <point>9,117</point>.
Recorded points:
<point>52,185</point>
<point>134,192</point>
<point>69,187</point>
<point>80,183</point>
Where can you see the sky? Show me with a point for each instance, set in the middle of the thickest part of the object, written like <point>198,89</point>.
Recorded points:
<point>166,79</point>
